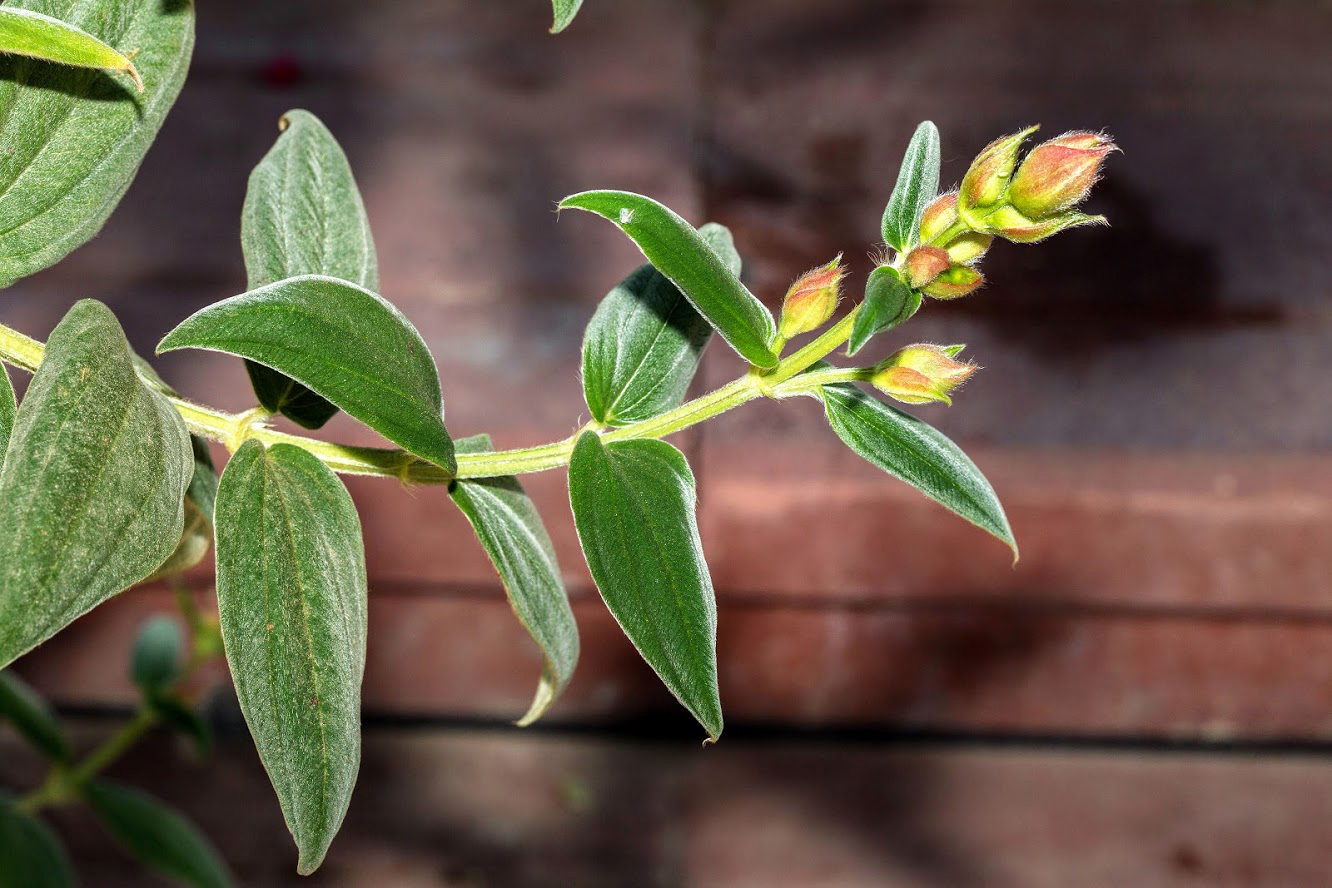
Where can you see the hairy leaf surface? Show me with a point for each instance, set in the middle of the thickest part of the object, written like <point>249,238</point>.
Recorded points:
<point>74,137</point>
<point>633,504</point>
<point>681,254</point>
<point>565,10</point>
<point>643,344</point>
<point>291,595</point>
<point>909,449</point>
<point>917,185</point>
<point>93,483</point>
<point>342,341</point>
<point>31,716</point>
<point>40,36</point>
<point>508,526</point>
<point>8,407</point>
<point>304,215</point>
<point>157,834</point>
<point>888,303</point>
<point>30,854</point>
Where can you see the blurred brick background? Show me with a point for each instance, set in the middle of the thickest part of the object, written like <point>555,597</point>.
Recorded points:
<point>1146,699</point>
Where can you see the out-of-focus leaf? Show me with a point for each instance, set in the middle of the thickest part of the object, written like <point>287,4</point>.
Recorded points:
<point>157,834</point>
<point>633,505</point>
<point>74,137</point>
<point>341,341</point>
<point>917,185</point>
<point>179,716</point>
<point>291,596</point>
<point>304,215</point>
<point>508,526</point>
<point>681,254</point>
<point>93,482</point>
<point>31,716</point>
<point>30,854</point>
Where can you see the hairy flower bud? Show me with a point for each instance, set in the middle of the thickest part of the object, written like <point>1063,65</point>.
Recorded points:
<point>956,282</point>
<point>922,374</point>
<point>1012,225</point>
<point>938,217</point>
<point>1059,173</point>
<point>924,264</point>
<point>989,174</point>
<point>812,299</point>
<point>941,216</point>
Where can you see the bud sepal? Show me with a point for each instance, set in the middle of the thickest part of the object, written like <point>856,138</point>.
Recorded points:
<point>923,374</point>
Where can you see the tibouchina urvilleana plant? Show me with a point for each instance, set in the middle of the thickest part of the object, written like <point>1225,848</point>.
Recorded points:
<point>107,480</point>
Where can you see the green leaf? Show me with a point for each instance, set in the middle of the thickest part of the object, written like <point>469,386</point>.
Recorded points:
<point>686,259</point>
<point>633,505</point>
<point>158,653</point>
<point>508,526</point>
<point>565,10</point>
<point>642,347</point>
<point>31,716</point>
<point>30,854</point>
<point>157,834</point>
<point>92,484</point>
<point>917,185</point>
<point>8,406</point>
<point>889,302</point>
<point>73,137</point>
<point>304,215</point>
<point>339,340</point>
<point>179,716</point>
<point>39,36</point>
<point>291,596</point>
<point>915,452</point>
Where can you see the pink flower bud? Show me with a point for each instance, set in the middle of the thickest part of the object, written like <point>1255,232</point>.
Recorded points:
<point>922,374</point>
<point>990,172</point>
<point>1012,225</point>
<point>956,282</point>
<point>1059,173</point>
<point>812,299</point>
<point>938,217</point>
<point>924,264</point>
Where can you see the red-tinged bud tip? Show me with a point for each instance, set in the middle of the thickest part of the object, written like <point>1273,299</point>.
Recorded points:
<point>923,374</point>
<point>812,299</point>
<point>956,282</point>
<point>1059,174</point>
<point>924,264</point>
<point>938,217</point>
<point>1013,226</point>
<point>990,172</point>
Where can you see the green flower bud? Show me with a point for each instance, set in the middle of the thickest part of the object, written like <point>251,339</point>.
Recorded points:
<point>1012,225</point>
<point>938,217</point>
<point>956,282</point>
<point>990,172</point>
<point>922,374</point>
<point>812,299</point>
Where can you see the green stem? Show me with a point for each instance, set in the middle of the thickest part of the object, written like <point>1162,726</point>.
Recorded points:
<point>234,429</point>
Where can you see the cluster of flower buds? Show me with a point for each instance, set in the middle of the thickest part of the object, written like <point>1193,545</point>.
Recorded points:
<point>922,374</point>
<point>812,299</point>
<point>1029,202</point>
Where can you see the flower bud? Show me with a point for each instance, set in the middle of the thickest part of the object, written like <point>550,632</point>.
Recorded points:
<point>1010,224</point>
<point>812,299</point>
<point>990,172</point>
<point>938,217</point>
<point>924,264</point>
<point>1059,173</point>
<point>922,374</point>
<point>968,247</point>
<point>956,282</point>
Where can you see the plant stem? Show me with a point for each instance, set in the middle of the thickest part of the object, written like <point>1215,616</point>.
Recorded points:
<point>234,429</point>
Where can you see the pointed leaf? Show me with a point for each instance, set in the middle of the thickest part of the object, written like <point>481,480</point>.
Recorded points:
<point>633,505</point>
<point>158,653</point>
<point>8,407</point>
<point>40,36</point>
<point>339,340</point>
<point>179,716</point>
<point>642,347</point>
<point>73,138</point>
<point>565,10</point>
<point>888,303</point>
<point>678,251</point>
<point>508,526</point>
<point>30,854</point>
<point>915,452</point>
<point>304,215</point>
<point>917,185</point>
<point>31,716</point>
<point>157,834</point>
<point>92,485</point>
<point>291,597</point>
